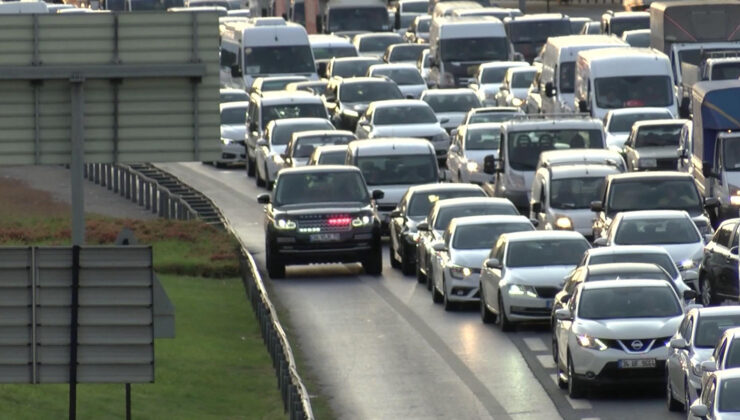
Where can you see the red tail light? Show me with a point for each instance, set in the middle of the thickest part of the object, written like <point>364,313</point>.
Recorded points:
<point>339,221</point>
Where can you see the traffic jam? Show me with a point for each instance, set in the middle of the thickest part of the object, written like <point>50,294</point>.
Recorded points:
<point>545,169</point>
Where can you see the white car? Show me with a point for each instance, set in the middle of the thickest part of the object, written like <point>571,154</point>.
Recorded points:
<point>268,156</point>
<point>489,77</point>
<point>718,400</point>
<point>691,346</point>
<point>424,64</point>
<point>673,230</point>
<point>451,104</point>
<point>328,155</point>
<point>233,130</point>
<point>456,265</point>
<point>523,274</point>
<point>514,89</point>
<point>406,76</point>
<point>374,44</point>
<point>470,146</point>
<point>618,123</point>
<point>615,332</point>
<point>303,143</point>
<point>403,118</point>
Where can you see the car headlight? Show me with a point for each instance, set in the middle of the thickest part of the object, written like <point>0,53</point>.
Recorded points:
<point>284,224</point>
<point>517,102</point>
<point>734,195</point>
<point>522,290</point>
<point>472,166</point>
<point>459,272</point>
<point>647,163</point>
<point>696,368</point>
<point>588,342</point>
<point>441,137</point>
<point>226,141</point>
<point>689,263</point>
<point>563,223</point>
<point>362,221</point>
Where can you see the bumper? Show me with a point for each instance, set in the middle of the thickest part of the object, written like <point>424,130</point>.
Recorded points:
<point>602,367</point>
<point>691,279</point>
<point>523,308</point>
<point>299,248</point>
<point>233,153</point>
<point>462,290</point>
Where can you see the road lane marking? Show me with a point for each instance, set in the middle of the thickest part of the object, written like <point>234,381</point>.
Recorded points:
<point>535,344</point>
<point>546,361</point>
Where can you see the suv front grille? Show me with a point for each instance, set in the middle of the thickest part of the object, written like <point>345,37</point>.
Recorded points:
<point>321,223</point>
<point>666,164</point>
<point>627,343</point>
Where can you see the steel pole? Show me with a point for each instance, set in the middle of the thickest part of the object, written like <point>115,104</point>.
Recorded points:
<point>78,161</point>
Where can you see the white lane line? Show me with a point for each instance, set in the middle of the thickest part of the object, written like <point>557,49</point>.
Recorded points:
<point>554,378</point>
<point>579,404</point>
<point>546,361</point>
<point>535,344</point>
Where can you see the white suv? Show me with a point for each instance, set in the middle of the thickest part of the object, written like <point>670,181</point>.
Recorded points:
<point>615,331</point>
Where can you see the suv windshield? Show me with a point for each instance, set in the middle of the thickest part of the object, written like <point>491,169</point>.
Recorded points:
<point>482,139</point>
<point>474,49</point>
<point>452,103</point>
<point>654,194</point>
<point>320,187</point>
<point>398,169</point>
<point>633,91</point>
<point>711,327</point>
<point>537,31</point>
<point>352,68</point>
<point>400,76</point>
<point>622,123</point>
<point>658,136</point>
<point>279,60</point>
<point>404,114</point>
<point>575,193</point>
<point>548,252</point>
<point>306,145</point>
<point>484,236</point>
<point>230,116</point>
<point>656,232</point>
<point>664,261</point>
<point>731,154</point>
<point>726,71</point>
<point>332,158</point>
<point>278,112</point>
<point>324,53</point>
<point>629,302</point>
<point>378,43</point>
<point>444,216</point>
<point>618,26</point>
<point>373,19</point>
<point>369,92</point>
<point>525,146</point>
<point>422,202</point>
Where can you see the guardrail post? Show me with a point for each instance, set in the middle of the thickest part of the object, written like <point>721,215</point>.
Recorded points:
<point>115,179</point>
<point>173,208</point>
<point>155,199</point>
<point>127,177</point>
<point>162,204</point>
<point>140,194</point>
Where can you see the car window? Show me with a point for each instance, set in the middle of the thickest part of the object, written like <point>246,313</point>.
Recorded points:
<point>445,215</point>
<point>656,194</point>
<point>404,114</point>
<point>484,236</point>
<point>421,202</point>
<point>728,400</point>
<point>482,138</point>
<point>548,251</point>
<point>722,237</point>
<point>369,92</point>
<point>232,116</point>
<point>524,147</point>
<point>452,103</point>
<point>733,354</point>
<point>398,169</point>
<point>629,302</point>
<point>685,329</point>
<point>656,231</point>
<point>319,187</point>
<point>719,352</point>
<point>663,260</point>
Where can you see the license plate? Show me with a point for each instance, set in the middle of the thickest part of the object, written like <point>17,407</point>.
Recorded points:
<point>324,237</point>
<point>548,303</point>
<point>636,363</point>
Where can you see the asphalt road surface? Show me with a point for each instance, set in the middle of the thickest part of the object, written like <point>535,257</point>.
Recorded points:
<point>381,349</point>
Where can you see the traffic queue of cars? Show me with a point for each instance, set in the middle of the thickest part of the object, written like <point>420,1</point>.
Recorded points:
<point>575,196</point>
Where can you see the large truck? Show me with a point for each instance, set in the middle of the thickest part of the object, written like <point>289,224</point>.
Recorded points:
<point>687,30</point>
<point>713,151</point>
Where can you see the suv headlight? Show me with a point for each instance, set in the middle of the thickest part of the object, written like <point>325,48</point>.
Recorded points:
<point>647,163</point>
<point>563,223</point>
<point>472,166</point>
<point>586,341</point>
<point>284,224</point>
<point>522,290</point>
<point>362,221</point>
<point>460,272</point>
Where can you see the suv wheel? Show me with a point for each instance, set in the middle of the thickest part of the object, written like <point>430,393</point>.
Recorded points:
<point>436,295</point>
<point>707,295</point>
<point>373,265</point>
<point>576,388</point>
<point>249,163</point>
<point>486,315</point>
<point>275,265</point>
<point>407,266</point>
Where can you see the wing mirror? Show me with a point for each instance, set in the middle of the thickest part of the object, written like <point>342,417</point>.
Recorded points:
<point>690,294</point>
<point>708,366</point>
<point>699,410</point>
<point>423,226</point>
<point>600,242</point>
<point>491,165</point>
<point>683,153</point>
<point>493,263</point>
<point>439,247</point>
<point>396,213</point>
<point>536,207</point>
<point>597,206</point>
<point>678,343</point>
<point>706,170</point>
<point>263,198</point>
<point>563,315</point>
<point>378,194</point>
<point>454,149</point>
<point>711,202</point>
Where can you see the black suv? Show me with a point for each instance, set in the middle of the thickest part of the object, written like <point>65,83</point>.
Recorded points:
<point>321,214</point>
<point>347,99</point>
<point>718,275</point>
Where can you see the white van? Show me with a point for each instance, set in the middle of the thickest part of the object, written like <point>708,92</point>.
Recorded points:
<point>459,45</point>
<point>614,78</point>
<point>559,68</point>
<point>23,7</point>
<point>446,9</point>
<point>250,50</point>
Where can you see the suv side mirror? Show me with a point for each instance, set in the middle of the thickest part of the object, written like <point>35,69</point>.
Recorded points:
<point>711,202</point>
<point>708,366</point>
<point>689,294</point>
<point>518,56</point>
<point>439,247</point>
<point>536,207</point>
<point>563,315</point>
<point>263,198</point>
<point>489,164</point>
<point>600,242</point>
<point>549,89</point>
<point>700,410</point>
<point>423,226</point>
<point>454,149</point>
<point>678,343</point>
<point>378,194</point>
<point>396,213</point>
<point>597,206</point>
<point>261,143</point>
<point>493,263</point>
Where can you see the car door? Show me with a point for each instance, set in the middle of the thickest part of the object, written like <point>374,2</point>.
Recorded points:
<point>730,266</point>
<point>562,329</point>
<point>708,395</point>
<point>396,224</point>
<point>629,152</point>
<point>489,286</point>
<point>677,358</point>
<point>252,130</point>
<point>441,260</point>
<point>720,259</point>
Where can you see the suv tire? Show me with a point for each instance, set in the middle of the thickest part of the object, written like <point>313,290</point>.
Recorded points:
<point>275,264</point>
<point>373,264</point>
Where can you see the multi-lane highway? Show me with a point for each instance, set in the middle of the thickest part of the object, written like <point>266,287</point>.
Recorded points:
<point>381,349</point>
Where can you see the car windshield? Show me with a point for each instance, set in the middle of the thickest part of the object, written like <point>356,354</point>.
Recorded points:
<point>373,19</point>
<point>281,134</point>
<point>575,193</point>
<point>525,146</point>
<point>728,392</point>
<point>408,52</point>
<point>306,145</point>
<point>726,71</point>
<point>639,40</point>
<point>414,7</point>
<point>234,97</point>
<point>567,78</point>
<point>452,103</point>
<point>369,92</point>
<point>484,236</point>
<point>324,53</point>
<point>482,139</point>
<point>494,117</point>
<point>664,231</point>
<point>629,302</point>
<point>404,114</point>
<point>474,49</point>
<point>423,25</point>
<point>666,136</point>
<point>622,123</point>
<point>633,91</point>
<point>537,31</point>
<point>548,252</point>
<point>493,75</point>
<point>445,215</point>
<point>410,76</point>
<point>710,328</point>
<point>398,169</point>
<point>378,43</point>
<point>731,153</point>
<point>422,202</point>
<point>278,112</point>
<point>628,276</point>
<point>278,60</point>
<point>332,158</point>
<point>230,116</point>
<point>320,187</point>
<point>522,79</point>
<point>352,68</point>
<point>654,194</point>
<point>663,260</point>
<point>618,26</point>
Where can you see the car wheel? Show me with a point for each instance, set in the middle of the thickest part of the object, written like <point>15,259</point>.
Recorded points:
<point>576,388</point>
<point>429,277</point>
<point>420,277</point>
<point>407,266</point>
<point>672,403</point>
<point>258,180</point>
<point>707,295</point>
<point>275,265</point>
<point>268,183</point>
<point>503,320</point>
<point>447,303</point>
<point>486,315</point>
<point>392,256</point>
<point>249,163</point>
<point>561,376</point>
<point>437,297</point>
<point>373,265</point>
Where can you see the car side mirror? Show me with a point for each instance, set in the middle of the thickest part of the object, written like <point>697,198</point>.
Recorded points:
<point>454,149</point>
<point>493,263</point>
<point>708,366</point>
<point>261,143</point>
<point>263,198</point>
<point>489,164</point>
<point>699,410</point>
<point>597,206</point>
<point>396,213</point>
<point>707,171</point>
<point>549,89</point>
<point>582,106</point>
<point>253,127</point>
<point>683,153</point>
<point>536,207</point>
<point>678,343</point>
<point>501,87</point>
<point>600,242</point>
<point>689,294</point>
<point>423,226</point>
<point>443,120</point>
<point>378,194</point>
<point>563,315</point>
<point>711,202</point>
<point>235,71</point>
<point>439,247</point>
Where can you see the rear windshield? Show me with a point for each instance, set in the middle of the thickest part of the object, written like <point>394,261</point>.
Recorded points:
<point>484,236</point>
<point>369,92</point>
<point>493,75</point>
<point>281,134</point>
<point>306,145</point>
<point>618,26</point>
<point>656,232</point>
<point>494,117</point>
<point>726,71</point>
<point>537,31</point>
<point>525,146</point>
<point>444,216</point>
<point>398,169</point>
<point>379,43</point>
<point>407,52</point>
<point>323,53</point>
<point>629,302</point>
<point>332,158</point>
<point>398,115</point>
<point>278,112</point>
<point>663,260</point>
<point>657,194</point>
<point>626,276</point>
<point>658,136</point>
<point>548,252</point>
<point>575,193</point>
<point>230,116</point>
<point>483,139</point>
<point>522,79</point>
<point>453,103</point>
<point>400,76</point>
<point>421,203</point>
<point>352,68</point>
<point>623,123</point>
<point>320,187</point>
